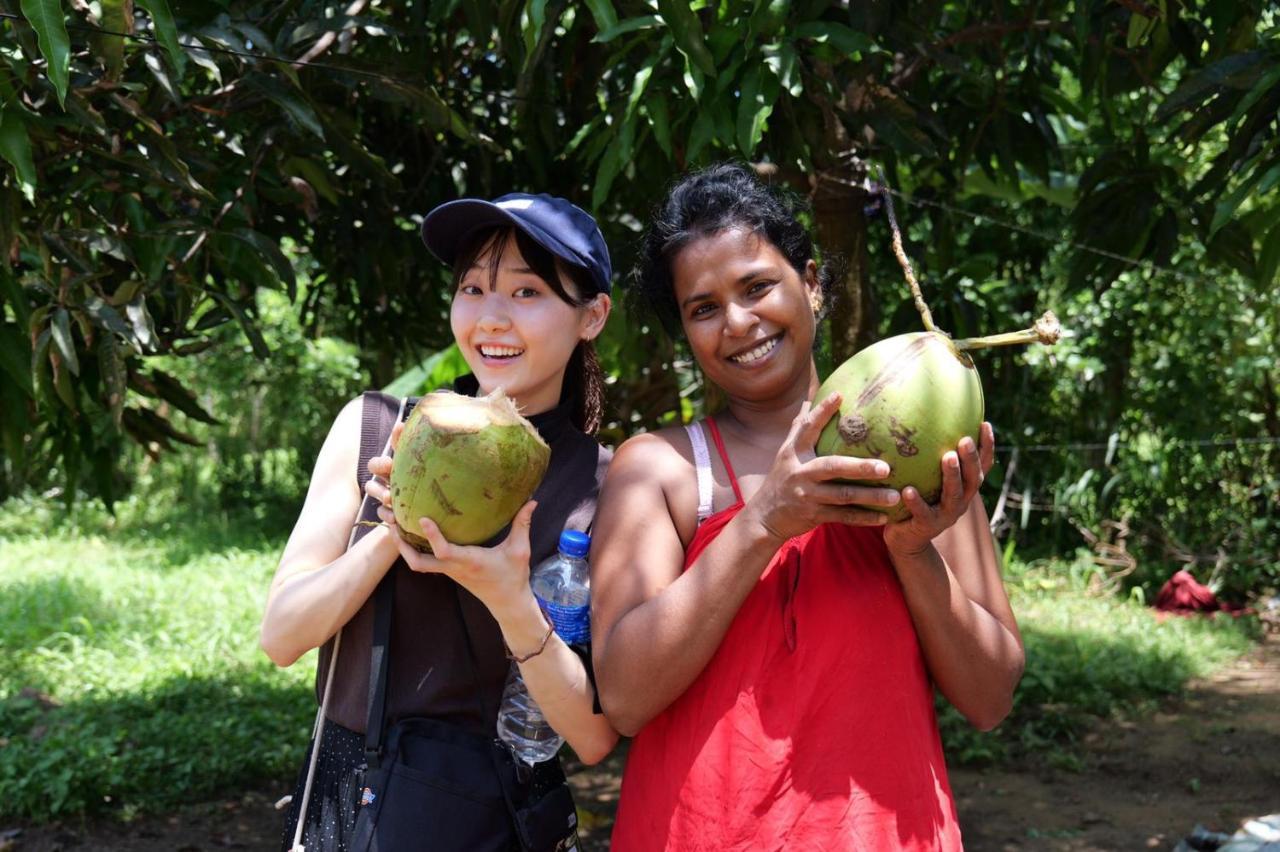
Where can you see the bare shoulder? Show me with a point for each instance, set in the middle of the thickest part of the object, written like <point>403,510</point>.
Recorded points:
<point>652,472</point>
<point>333,495</point>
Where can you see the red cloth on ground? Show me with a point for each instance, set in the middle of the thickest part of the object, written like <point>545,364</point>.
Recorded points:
<point>1181,593</point>
<point>811,728</point>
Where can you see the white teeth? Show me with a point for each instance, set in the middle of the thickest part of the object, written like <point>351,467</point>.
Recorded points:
<point>755,354</point>
<point>499,351</point>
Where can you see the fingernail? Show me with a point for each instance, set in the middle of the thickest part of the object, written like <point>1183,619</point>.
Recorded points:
<point>882,469</point>
<point>893,497</point>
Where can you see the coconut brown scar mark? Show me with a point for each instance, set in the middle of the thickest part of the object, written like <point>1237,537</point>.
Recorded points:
<point>439,494</point>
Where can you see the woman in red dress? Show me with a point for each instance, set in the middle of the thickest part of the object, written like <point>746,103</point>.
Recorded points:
<point>770,642</point>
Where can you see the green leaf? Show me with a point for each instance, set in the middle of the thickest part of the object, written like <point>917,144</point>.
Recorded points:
<point>534,19</point>
<point>699,135</point>
<point>431,373</point>
<point>15,356</point>
<point>643,22</point>
<point>15,147</point>
<point>250,328</point>
<point>1266,85</point>
<point>108,318</point>
<point>160,385</point>
<point>610,164</point>
<point>845,40</point>
<point>166,31</point>
<point>782,59</point>
<point>639,84</point>
<point>1269,259</point>
<point>270,249</point>
<point>46,18</point>
<point>1140,27</point>
<point>1207,82</point>
<point>60,328</point>
<point>754,108</point>
<point>292,102</point>
<point>117,16</point>
<point>660,121</point>
<point>1226,208</point>
<point>602,12</point>
<point>687,31</point>
<point>114,376</point>
<point>144,329</point>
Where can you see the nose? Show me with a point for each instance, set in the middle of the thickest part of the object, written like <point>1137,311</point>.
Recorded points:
<point>493,316</point>
<point>738,320</point>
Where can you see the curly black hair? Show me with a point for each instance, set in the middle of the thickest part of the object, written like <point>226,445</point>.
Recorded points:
<point>706,202</point>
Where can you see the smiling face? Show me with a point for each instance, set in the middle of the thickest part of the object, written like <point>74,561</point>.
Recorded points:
<point>747,313</point>
<point>514,330</point>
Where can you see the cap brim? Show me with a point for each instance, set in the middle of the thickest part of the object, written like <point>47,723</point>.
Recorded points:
<point>446,227</point>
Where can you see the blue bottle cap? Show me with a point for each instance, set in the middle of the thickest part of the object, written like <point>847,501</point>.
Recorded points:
<point>574,543</point>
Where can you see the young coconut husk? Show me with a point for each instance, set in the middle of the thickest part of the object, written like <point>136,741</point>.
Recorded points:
<point>909,399</point>
<point>467,463</point>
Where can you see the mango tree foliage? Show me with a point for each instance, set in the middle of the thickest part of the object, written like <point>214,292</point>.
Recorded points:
<point>1096,156</point>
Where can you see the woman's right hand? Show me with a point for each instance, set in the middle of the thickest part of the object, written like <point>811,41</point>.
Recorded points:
<point>804,490</point>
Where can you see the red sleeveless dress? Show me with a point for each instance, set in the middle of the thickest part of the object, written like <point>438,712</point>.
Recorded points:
<point>811,728</point>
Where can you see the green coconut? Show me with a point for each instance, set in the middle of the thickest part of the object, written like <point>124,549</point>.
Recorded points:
<point>909,399</point>
<point>906,400</point>
<point>467,463</point>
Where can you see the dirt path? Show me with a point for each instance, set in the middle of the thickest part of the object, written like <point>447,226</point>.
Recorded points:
<point>1211,757</point>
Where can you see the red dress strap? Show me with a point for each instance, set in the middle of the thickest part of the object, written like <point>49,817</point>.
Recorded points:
<point>724,457</point>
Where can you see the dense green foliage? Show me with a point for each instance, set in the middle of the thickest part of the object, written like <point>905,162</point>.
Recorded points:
<point>131,656</point>
<point>1113,160</point>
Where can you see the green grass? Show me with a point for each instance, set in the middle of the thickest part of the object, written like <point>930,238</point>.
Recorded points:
<point>1089,657</point>
<point>142,629</point>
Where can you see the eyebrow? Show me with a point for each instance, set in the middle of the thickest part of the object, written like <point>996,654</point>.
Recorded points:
<point>748,277</point>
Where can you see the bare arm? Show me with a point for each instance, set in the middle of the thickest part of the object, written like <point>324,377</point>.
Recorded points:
<point>319,584</point>
<point>656,627</point>
<point>953,590</point>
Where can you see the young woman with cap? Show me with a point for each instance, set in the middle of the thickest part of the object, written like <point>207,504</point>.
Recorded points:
<point>532,278</point>
<point>772,644</point>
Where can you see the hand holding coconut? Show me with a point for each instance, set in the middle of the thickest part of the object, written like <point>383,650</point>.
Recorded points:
<point>802,490</point>
<point>963,471</point>
<point>498,576</point>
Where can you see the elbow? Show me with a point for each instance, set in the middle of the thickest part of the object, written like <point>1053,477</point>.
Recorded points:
<point>988,714</point>
<point>622,714</point>
<point>592,753</point>
<point>275,649</point>
<point>988,718</point>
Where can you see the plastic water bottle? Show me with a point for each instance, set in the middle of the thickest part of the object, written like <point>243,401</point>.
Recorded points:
<point>561,586</point>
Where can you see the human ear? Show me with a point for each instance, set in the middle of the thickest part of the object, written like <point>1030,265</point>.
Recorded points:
<point>814,286</point>
<point>594,316</point>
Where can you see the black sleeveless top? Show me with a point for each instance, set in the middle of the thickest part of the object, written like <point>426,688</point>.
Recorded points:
<point>430,672</point>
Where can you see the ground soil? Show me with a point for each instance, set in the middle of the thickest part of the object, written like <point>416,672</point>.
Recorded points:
<point>1210,757</point>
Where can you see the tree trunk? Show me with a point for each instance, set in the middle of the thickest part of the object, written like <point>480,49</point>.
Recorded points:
<point>841,230</point>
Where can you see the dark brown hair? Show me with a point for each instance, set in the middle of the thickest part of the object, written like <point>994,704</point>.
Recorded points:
<point>583,385</point>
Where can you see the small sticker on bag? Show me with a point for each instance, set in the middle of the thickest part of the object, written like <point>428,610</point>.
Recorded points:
<point>367,796</point>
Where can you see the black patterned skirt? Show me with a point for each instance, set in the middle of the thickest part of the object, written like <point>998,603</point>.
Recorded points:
<point>331,814</point>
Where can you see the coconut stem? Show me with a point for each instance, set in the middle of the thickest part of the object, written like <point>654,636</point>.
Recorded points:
<point>925,316</point>
<point>1047,330</point>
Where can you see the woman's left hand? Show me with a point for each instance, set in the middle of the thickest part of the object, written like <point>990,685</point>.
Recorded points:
<point>963,470</point>
<point>498,575</point>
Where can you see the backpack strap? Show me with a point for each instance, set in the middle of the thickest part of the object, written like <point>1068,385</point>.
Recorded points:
<point>384,595</point>
<point>376,419</point>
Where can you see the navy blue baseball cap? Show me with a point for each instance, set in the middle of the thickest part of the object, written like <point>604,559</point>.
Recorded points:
<point>558,226</point>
